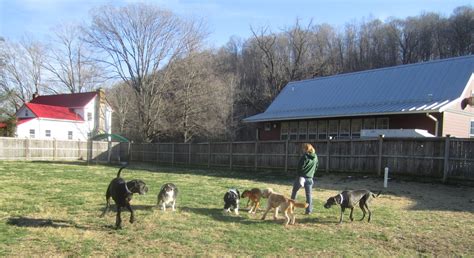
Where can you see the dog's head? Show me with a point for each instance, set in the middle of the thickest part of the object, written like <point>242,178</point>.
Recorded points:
<point>168,189</point>
<point>266,192</point>
<point>246,194</point>
<point>333,201</point>
<point>137,186</point>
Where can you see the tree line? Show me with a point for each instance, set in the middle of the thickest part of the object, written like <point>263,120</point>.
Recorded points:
<point>165,85</point>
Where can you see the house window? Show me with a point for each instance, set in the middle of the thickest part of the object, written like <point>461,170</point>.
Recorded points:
<point>382,123</point>
<point>267,127</point>
<point>369,123</point>
<point>312,130</point>
<point>472,129</point>
<point>32,133</point>
<point>302,130</point>
<point>322,129</point>
<point>355,128</point>
<point>293,130</point>
<point>333,128</point>
<point>26,112</point>
<point>284,131</point>
<point>69,135</point>
<point>89,116</point>
<point>345,129</point>
<point>47,133</point>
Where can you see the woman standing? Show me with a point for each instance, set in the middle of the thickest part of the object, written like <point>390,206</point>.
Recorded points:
<point>307,166</point>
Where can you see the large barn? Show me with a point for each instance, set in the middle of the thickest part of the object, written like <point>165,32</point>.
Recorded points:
<point>429,96</point>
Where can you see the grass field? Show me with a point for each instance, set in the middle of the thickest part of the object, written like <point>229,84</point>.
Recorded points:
<point>51,209</point>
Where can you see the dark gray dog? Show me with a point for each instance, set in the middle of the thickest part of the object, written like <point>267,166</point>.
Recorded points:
<point>122,192</point>
<point>348,199</point>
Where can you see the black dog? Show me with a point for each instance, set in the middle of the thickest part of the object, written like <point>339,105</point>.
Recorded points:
<point>231,199</point>
<point>167,195</point>
<point>122,192</point>
<point>348,199</point>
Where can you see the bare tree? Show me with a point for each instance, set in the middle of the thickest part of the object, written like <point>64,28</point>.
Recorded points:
<point>70,62</point>
<point>139,40</point>
<point>23,70</point>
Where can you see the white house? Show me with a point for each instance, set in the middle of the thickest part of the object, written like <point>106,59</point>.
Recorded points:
<point>76,116</point>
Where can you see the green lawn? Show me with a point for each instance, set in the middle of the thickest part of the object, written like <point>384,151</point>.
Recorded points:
<point>53,209</point>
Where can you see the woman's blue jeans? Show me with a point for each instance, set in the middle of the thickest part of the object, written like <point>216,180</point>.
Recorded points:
<point>308,188</point>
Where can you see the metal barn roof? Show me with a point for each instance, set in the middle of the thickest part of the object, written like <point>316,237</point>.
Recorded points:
<point>414,88</point>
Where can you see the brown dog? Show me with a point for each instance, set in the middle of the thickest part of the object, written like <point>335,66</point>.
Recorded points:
<point>278,201</point>
<point>254,196</point>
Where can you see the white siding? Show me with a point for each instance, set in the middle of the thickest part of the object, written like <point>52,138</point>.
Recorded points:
<point>59,129</point>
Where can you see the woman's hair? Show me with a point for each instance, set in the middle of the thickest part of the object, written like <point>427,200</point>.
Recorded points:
<point>308,148</point>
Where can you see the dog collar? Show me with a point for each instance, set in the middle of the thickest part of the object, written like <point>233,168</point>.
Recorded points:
<point>342,198</point>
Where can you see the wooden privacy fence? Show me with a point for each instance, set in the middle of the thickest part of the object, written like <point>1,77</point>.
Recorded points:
<point>33,149</point>
<point>441,158</point>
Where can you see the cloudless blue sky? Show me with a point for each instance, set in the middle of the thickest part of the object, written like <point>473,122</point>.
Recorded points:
<point>224,19</point>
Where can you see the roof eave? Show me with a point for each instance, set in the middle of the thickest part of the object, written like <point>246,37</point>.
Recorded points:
<point>345,115</point>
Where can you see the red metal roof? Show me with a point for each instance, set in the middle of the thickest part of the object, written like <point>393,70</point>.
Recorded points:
<point>54,112</point>
<point>65,100</point>
<point>3,125</point>
<point>23,120</point>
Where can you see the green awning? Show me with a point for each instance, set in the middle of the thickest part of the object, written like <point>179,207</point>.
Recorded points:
<point>115,137</point>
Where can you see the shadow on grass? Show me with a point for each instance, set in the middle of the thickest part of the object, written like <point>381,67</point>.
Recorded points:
<point>113,208</point>
<point>40,223</point>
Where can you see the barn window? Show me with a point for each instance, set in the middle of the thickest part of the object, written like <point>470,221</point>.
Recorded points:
<point>26,112</point>
<point>344,128</point>
<point>32,133</point>
<point>284,131</point>
<point>322,129</point>
<point>302,130</point>
<point>333,128</point>
<point>369,123</point>
<point>267,127</point>
<point>312,130</point>
<point>47,133</point>
<point>89,116</point>
<point>69,135</point>
<point>293,130</point>
<point>355,128</point>
<point>382,123</point>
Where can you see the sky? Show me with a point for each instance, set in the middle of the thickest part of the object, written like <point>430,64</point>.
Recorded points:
<point>224,19</point>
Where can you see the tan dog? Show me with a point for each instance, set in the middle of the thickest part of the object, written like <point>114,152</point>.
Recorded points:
<point>278,201</point>
<point>254,196</point>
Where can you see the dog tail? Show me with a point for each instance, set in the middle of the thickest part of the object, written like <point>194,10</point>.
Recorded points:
<point>376,195</point>
<point>120,170</point>
<point>299,204</point>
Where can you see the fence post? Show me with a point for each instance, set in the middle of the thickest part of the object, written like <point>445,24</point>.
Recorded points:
<point>231,152</point>
<point>129,152</point>
<point>27,148</point>
<point>209,155</point>
<point>172,155</point>
<point>286,156</point>
<point>446,159</point>
<point>379,163</point>
<point>255,155</point>
<point>55,149</point>
<point>351,159</point>
<point>189,154</point>
<point>328,149</point>
<point>79,149</point>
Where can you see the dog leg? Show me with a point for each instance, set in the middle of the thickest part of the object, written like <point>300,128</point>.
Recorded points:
<point>107,207</point>
<point>340,218</point>
<point>173,206</point>
<point>370,213</point>
<point>118,219</point>
<point>275,216</point>
<point>350,216</point>
<point>361,205</point>
<point>266,211</point>
<point>132,215</point>
<point>163,206</point>
<point>287,218</point>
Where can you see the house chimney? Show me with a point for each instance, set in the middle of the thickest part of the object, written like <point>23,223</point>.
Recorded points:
<point>100,111</point>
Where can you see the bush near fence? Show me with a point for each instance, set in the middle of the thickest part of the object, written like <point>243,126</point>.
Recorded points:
<point>439,158</point>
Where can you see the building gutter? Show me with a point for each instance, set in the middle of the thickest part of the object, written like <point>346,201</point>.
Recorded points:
<point>436,122</point>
